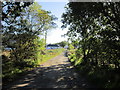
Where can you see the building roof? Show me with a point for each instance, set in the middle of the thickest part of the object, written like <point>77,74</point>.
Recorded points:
<point>52,45</point>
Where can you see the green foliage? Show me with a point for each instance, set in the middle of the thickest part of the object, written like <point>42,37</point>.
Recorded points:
<point>23,23</point>
<point>63,43</point>
<point>70,47</point>
<point>93,28</point>
<point>44,20</point>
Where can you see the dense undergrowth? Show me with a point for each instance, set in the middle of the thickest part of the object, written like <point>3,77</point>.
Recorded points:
<point>99,76</point>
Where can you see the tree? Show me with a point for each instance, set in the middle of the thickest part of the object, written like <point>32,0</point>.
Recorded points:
<point>62,43</point>
<point>21,34</point>
<point>44,21</point>
<point>87,20</point>
<point>96,27</point>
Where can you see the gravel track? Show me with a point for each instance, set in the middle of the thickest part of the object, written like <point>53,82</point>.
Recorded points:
<point>55,73</point>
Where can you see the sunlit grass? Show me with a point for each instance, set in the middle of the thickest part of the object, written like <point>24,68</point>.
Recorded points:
<point>50,53</point>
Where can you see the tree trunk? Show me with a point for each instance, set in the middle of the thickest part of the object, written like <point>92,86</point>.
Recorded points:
<point>45,38</point>
<point>96,59</point>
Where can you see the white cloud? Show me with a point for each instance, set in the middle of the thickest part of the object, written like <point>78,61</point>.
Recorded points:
<point>55,36</point>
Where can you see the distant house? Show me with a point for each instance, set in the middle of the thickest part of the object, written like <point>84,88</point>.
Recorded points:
<point>52,46</point>
<point>66,46</point>
<point>7,49</point>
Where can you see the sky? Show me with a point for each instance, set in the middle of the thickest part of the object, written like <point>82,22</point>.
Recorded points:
<point>56,8</point>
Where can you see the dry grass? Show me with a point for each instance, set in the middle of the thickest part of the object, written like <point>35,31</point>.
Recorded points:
<point>6,53</point>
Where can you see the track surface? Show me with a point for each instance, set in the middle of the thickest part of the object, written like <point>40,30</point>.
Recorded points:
<point>55,73</point>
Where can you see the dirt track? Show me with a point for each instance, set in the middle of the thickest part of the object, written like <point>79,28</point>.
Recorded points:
<point>55,73</point>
